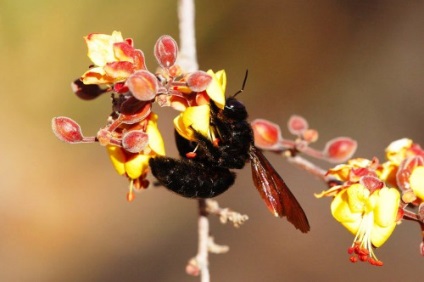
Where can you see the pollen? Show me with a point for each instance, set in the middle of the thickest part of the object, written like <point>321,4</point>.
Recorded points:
<point>191,155</point>
<point>362,248</point>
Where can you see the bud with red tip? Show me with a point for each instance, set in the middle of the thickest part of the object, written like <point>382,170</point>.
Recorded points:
<point>267,135</point>
<point>193,268</point>
<point>310,135</point>
<point>297,125</point>
<point>166,50</point>
<point>198,81</point>
<point>143,85</point>
<point>340,149</point>
<point>135,141</point>
<point>67,130</point>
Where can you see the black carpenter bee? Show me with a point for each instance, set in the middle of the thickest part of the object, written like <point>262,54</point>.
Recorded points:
<point>208,174</point>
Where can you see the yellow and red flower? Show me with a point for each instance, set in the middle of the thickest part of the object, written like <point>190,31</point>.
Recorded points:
<point>135,166</point>
<point>405,167</point>
<point>364,206</point>
<point>196,117</point>
<point>114,58</point>
<point>370,215</point>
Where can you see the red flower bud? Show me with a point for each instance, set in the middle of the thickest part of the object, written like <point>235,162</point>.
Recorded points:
<point>297,125</point>
<point>310,135</point>
<point>143,85</point>
<point>198,81</point>
<point>135,141</point>
<point>166,50</point>
<point>340,149</point>
<point>267,135</point>
<point>67,130</point>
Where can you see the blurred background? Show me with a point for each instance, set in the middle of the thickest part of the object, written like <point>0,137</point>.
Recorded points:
<point>352,68</point>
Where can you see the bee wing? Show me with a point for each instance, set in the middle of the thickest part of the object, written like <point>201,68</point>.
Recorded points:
<point>274,191</point>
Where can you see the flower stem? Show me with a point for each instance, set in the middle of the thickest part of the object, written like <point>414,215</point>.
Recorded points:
<point>202,250</point>
<point>188,62</point>
<point>187,56</point>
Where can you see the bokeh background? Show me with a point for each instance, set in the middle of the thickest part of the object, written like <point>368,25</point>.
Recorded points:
<point>352,68</point>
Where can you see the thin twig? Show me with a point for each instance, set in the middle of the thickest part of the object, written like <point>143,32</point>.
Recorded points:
<point>225,214</point>
<point>187,58</point>
<point>202,249</point>
<point>309,167</point>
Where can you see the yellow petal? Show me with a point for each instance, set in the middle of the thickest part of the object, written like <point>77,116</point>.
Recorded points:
<point>100,47</point>
<point>357,197</point>
<point>340,208</point>
<point>216,88</point>
<point>396,151</point>
<point>222,79</point>
<point>387,206</point>
<point>353,226</point>
<point>379,235</point>
<point>193,118</point>
<point>155,138</point>
<point>118,158</point>
<point>372,202</point>
<point>416,181</point>
<point>185,132</point>
<point>341,172</point>
<point>96,75</point>
<point>333,191</point>
<point>137,165</point>
<point>387,173</point>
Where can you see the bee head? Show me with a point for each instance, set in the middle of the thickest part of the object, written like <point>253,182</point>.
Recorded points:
<point>234,109</point>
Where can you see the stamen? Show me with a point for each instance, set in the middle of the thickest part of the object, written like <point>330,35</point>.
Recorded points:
<point>362,248</point>
<point>192,155</point>
<point>130,193</point>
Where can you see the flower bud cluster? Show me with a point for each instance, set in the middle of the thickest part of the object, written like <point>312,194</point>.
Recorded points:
<point>131,135</point>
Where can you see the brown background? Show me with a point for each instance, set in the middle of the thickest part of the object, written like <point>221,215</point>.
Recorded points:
<point>350,68</point>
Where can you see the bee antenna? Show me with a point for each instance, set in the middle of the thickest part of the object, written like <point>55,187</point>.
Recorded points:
<point>243,85</point>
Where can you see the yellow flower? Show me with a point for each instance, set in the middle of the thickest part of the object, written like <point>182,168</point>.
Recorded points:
<point>197,117</point>
<point>135,165</point>
<point>371,216</point>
